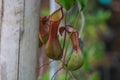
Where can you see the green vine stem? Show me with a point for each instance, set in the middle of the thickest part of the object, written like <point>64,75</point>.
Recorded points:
<point>72,75</point>
<point>64,38</point>
<point>45,64</point>
<point>83,24</point>
<point>82,18</point>
<point>66,74</point>
<point>56,73</point>
<point>76,19</point>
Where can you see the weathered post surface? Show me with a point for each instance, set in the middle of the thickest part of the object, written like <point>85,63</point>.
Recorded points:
<point>19,23</point>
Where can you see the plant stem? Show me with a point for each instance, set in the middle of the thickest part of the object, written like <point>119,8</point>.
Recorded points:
<point>56,72</point>
<point>72,76</point>
<point>64,38</point>
<point>83,23</point>
<point>66,75</point>
<point>82,17</point>
<point>76,19</point>
<point>45,64</point>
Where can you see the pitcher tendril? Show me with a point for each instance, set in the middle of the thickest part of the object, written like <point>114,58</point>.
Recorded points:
<point>82,18</point>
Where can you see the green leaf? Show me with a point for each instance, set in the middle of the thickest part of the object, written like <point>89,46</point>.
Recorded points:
<point>67,4</point>
<point>82,3</point>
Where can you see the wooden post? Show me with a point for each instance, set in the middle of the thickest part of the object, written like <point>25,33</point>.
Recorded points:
<point>19,22</point>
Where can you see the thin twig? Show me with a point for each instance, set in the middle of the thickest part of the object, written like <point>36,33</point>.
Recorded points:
<point>56,72</point>
<point>72,76</point>
<point>45,64</point>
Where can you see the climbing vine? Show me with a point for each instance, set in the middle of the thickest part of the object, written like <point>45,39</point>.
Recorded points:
<point>51,30</point>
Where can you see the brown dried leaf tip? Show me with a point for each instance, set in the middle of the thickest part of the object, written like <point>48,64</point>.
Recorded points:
<point>44,29</point>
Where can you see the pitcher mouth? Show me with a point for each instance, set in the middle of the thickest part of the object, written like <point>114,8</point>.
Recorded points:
<point>57,15</point>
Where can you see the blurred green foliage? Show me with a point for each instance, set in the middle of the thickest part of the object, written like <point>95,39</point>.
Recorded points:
<point>46,76</point>
<point>95,26</point>
<point>45,12</point>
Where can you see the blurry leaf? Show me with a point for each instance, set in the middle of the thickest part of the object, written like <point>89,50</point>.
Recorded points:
<point>82,3</point>
<point>87,65</point>
<point>99,50</point>
<point>67,4</point>
<point>44,12</point>
<point>92,32</point>
<point>95,76</point>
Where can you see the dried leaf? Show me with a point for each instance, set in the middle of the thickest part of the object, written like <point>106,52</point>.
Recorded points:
<point>44,29</point>
<point>61,30</point>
